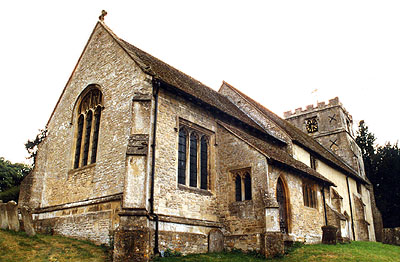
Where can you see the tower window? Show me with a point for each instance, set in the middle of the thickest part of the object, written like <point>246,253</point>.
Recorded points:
<point>88,127</point>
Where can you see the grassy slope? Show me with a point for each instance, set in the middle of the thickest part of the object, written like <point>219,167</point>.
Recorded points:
<point>356,251</point>
<point>17,246</point>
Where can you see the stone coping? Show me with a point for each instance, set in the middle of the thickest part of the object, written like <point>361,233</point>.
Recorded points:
<point>98,200</point>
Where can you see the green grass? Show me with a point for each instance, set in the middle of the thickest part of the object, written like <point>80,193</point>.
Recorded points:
<point>356,251</point>
<point>17,246</point>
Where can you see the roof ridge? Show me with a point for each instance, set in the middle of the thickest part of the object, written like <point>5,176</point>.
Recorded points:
<point>290,162</point>
<point>153,57</point>
<point>299,133</point>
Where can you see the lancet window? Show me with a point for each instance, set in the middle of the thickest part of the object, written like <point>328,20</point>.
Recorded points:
<point>88,127</point>
<point>242,184</point>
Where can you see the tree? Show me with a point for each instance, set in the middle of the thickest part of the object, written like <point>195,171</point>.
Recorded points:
<point>382,167</point>
<point>11,176</point>
<point>32,146</point>
<point>387,183</point>
<point>366,141</point>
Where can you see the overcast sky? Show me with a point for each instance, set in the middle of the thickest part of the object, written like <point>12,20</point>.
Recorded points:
<point>277,52</point>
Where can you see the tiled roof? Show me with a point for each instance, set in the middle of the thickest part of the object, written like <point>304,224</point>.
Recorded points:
<point>277,154</point>
<point>177,79</point>
<point>302,139</point>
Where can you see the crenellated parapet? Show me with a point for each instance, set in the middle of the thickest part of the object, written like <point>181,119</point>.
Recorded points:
<point>312,108</point>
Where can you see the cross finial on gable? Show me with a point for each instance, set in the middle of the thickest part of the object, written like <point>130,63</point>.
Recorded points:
<point>103,14</point>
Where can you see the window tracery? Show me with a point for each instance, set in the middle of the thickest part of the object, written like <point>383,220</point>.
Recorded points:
<point>88,127</point>
<point>193,158</point>
<point>242,184</point>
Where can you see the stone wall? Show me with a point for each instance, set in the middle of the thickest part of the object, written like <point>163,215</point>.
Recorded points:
<point>304,222</point>
<point>171,198</point>
<point>94,222</point>
<point>391,236</point>
<point>243,220</point>
<point>54,181</point>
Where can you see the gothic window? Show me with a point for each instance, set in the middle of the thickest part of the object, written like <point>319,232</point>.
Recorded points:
<point>309,195</point>
<point>242,184</point>
<point>193,158</point>
<point>203,162</point>
<point>78,141</point>
<point>88,126</point>
<point>238,188</point>
<point>182,156</point>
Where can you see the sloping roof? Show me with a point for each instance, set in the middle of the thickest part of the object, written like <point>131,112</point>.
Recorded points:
<point>177,79</point>
<point>302,139</point>
<point>277,154</point>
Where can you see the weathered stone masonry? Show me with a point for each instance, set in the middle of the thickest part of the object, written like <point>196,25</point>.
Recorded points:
<point>256,165</point>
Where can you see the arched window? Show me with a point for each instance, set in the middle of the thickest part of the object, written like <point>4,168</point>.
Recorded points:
<point>203,163</point>
<point>78,141</point>
<point>89,119</point>
<point>193,160</point>
<point>247,187</point>
<point>242,184</point>
<point>88,127</point>
<point>193,156</point>
<point>182,156</point>
<point>238,188</point>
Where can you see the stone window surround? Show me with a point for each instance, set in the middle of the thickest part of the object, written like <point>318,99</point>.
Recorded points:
<point>313,162</point>
<point>201,132</point>
<point>310,198</point>
<point>82,109</point>
<point>245,191</point>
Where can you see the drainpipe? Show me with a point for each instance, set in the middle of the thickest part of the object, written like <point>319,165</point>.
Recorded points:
<point>351,208</point>
<point>156,88</point>
<point>323,197</point>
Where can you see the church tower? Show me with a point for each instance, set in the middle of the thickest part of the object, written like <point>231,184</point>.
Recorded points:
<point>332,126</point>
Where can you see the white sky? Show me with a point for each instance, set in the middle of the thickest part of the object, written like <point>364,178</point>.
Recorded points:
<point>277,52</point>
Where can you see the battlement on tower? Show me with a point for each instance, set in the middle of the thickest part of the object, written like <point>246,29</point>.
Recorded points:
<point>310,108</point>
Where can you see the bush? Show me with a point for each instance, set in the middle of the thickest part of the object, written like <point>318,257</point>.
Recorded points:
<point>10,194</point>
<point>172,253</point>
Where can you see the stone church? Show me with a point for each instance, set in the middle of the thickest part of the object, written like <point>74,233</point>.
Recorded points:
<point>143,157</point>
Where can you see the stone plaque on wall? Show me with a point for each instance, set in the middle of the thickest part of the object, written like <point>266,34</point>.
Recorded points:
<point>138,145</point>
